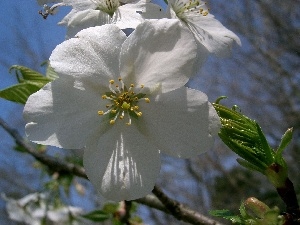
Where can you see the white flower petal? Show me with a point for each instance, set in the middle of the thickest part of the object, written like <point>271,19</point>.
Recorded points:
<point>207,30</point>
<point>212,34</point>
<point>64,113</point>
<point>93,54</point>
<point>121,163</point>
<point>43,2</point>
<point>127,15</point>
<point>131,15</point>
<point>159,52</point>
<point>182,123</point>
<point>84,19</point>
<point>80,4</point>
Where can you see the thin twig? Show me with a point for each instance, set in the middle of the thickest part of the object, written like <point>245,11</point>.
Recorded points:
<point>52,162</point>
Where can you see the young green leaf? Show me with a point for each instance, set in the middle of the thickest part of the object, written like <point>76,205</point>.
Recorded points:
<point>97,216</point>
<point>20,92</point>
<point>30,81</point>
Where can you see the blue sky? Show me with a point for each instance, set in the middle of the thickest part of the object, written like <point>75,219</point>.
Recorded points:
<point>25,39</point>
<point>20,19</point>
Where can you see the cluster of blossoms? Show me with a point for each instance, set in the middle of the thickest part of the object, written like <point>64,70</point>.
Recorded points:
<point>121,96</point>
<point>37,209</point>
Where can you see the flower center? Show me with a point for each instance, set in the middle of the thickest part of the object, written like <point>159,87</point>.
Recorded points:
<point>108,6</point>
<point>123,102</point>
<point>182,7</point>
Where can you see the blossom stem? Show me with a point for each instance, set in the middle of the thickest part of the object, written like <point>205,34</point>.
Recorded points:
<point>288,195</point>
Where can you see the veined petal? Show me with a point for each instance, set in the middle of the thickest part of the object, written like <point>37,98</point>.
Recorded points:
<point>212,34</point>
<point>159,52</point>
<point>64,113</point>
<point>131,15</point>
<point>92,54</point>
<point>207,30</point>
<point>182,122</point>
<point>121,164</point>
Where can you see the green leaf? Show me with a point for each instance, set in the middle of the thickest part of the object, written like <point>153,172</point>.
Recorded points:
<point>111,207</point>
<point>97,216</point>
<point>285,140</point>
<point>20,92</point>
<point>227,214</point>
<point>248,165</point>
<point>245,137</point>
<point>25,75</point>
<point>30,81</point>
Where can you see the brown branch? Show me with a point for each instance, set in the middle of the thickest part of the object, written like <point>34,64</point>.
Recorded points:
<point>164,203</point>
<point>52,162</point>
<point>182,212</point>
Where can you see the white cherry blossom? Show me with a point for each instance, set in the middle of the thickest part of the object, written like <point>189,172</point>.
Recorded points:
<point>37,209</point>
<point>125,14</point>
<point>123,100</point>
<point>207,30</point>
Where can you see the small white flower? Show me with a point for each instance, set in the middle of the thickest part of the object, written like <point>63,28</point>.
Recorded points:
<point>207,30</point>
<point>124,100</point>
<point>36,207</point>
<point>125,14</point>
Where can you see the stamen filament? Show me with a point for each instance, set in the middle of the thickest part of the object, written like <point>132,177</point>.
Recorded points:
<point>122,100</point>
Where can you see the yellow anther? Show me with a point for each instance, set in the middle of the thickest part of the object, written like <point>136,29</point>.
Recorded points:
<point>205,13</point>
<point>128,124</point>
<point>122,101</point>
<point>201,10</point>
<point>119,78</point>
